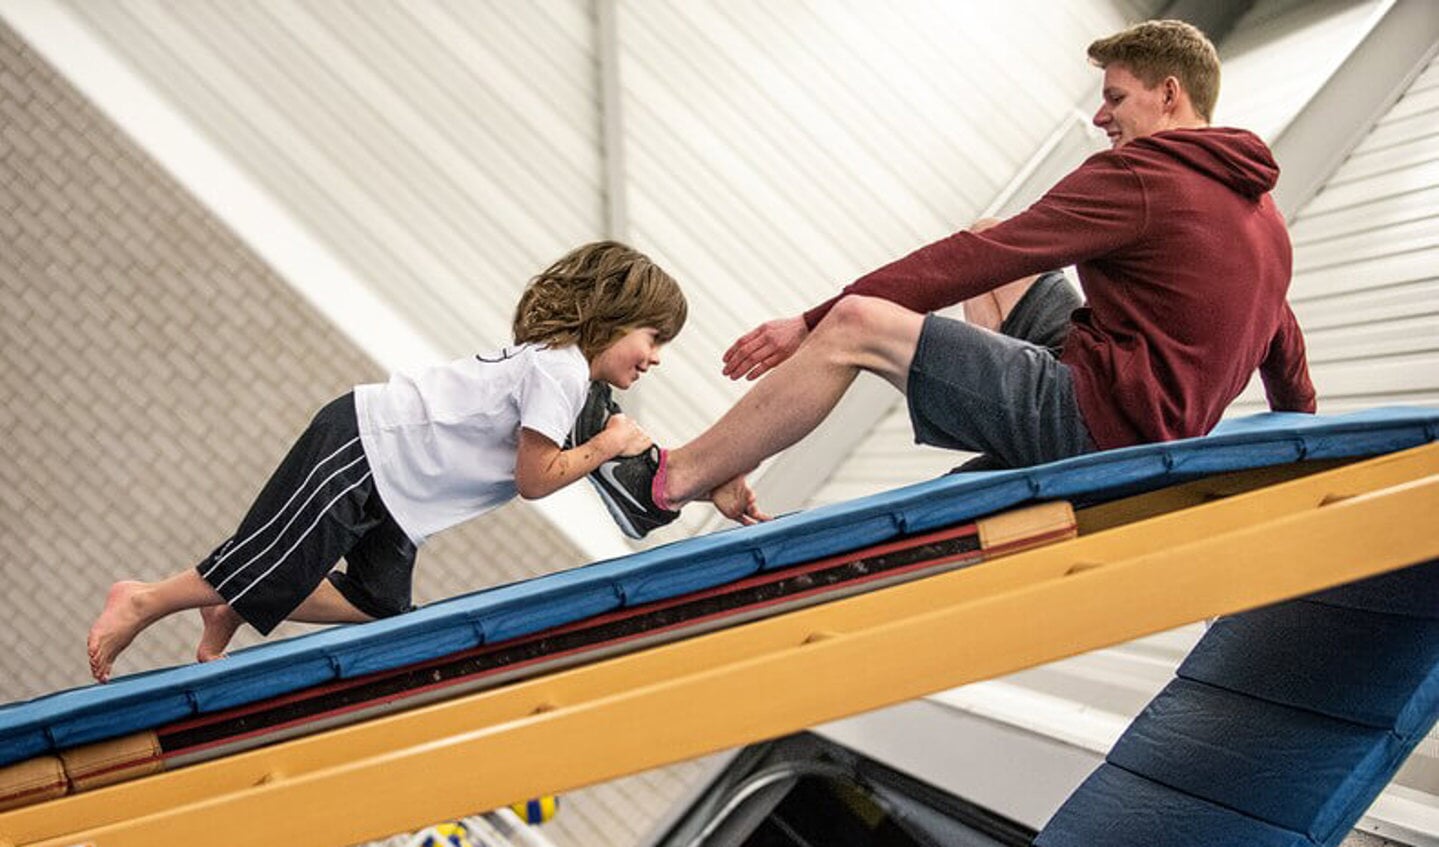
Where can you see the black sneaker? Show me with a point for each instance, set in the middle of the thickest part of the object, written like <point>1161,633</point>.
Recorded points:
<point>596,412</point>
<point>624,484</point>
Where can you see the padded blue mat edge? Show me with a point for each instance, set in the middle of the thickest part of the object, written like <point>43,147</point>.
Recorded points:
<point>151,699</point>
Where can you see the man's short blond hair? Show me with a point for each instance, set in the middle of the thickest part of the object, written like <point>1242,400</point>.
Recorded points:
<point>1154,50</point>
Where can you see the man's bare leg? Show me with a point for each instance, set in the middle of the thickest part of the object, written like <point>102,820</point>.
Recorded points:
<point>989,309</point>
<point>1007,296</point>
<point>324,605</point>
<point>983,311</point>
<point>859,333</point>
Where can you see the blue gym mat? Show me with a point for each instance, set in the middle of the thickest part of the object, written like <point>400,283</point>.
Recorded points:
<point>142,701</point>
<point>1280,728</point>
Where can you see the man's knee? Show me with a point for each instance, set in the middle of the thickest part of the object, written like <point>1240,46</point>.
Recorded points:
<point>855,319</point>
<point>870,333</point>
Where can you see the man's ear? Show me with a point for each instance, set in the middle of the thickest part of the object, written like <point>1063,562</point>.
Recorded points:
<point>1171,91</point>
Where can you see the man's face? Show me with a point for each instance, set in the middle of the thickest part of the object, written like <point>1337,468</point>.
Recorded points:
<point>1129,109</point>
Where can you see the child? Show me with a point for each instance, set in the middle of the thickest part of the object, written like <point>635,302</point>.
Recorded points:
<point>386,466</point>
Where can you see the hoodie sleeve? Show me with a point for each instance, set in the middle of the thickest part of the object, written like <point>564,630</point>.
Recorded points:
<point>1285,369</point>
<point>1094,210</point>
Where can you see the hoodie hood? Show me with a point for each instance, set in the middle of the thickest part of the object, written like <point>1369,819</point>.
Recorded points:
<point>1236,158</point>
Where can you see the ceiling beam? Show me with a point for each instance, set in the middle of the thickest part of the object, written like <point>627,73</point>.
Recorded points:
<point>612,131</point>
<point>1402,39</point>
<point>1216,18</point>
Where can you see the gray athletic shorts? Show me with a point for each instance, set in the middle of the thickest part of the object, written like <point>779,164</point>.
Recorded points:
<point>1008,398</point>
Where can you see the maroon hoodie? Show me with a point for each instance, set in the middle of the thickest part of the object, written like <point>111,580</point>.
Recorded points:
<point>1184,262</point>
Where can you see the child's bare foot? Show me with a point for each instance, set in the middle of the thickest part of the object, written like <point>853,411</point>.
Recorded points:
<point>220,625</point>
<point>115,628</point>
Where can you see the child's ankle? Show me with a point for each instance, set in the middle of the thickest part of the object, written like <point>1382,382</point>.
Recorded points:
<point>658,484</point>
<point>145,604</point>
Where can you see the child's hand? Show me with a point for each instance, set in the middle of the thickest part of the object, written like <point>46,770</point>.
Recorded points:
<point>736,501</point>
<point>627,434</point>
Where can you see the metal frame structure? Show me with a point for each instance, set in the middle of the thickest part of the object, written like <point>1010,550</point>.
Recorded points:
<point>1141,566</point>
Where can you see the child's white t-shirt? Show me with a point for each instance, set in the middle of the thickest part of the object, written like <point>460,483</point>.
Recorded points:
<point>442,441</point>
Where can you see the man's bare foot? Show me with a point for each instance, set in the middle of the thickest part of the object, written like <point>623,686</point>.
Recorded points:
<point>118,624</point>
<point>736,501</point>
<point>220,625</point>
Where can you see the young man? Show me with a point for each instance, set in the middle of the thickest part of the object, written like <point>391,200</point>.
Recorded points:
<point>1183,259</point>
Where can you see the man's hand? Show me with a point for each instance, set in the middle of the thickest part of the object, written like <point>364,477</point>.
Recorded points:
<point>736,501</point>
<point>626,435</point>
<point>764,347</point>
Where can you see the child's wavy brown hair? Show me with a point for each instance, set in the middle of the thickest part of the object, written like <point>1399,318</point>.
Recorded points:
<point>594,295</point>
<point>1153,50</point>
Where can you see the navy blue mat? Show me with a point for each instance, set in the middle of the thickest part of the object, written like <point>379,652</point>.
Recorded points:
<point>142,701</point>
<point>1281,727</point>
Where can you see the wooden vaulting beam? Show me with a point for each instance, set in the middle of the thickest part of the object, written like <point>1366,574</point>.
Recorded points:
<point>1135,574</point>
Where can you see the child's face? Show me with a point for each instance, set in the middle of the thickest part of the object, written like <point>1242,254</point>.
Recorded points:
<point>626,360</point>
